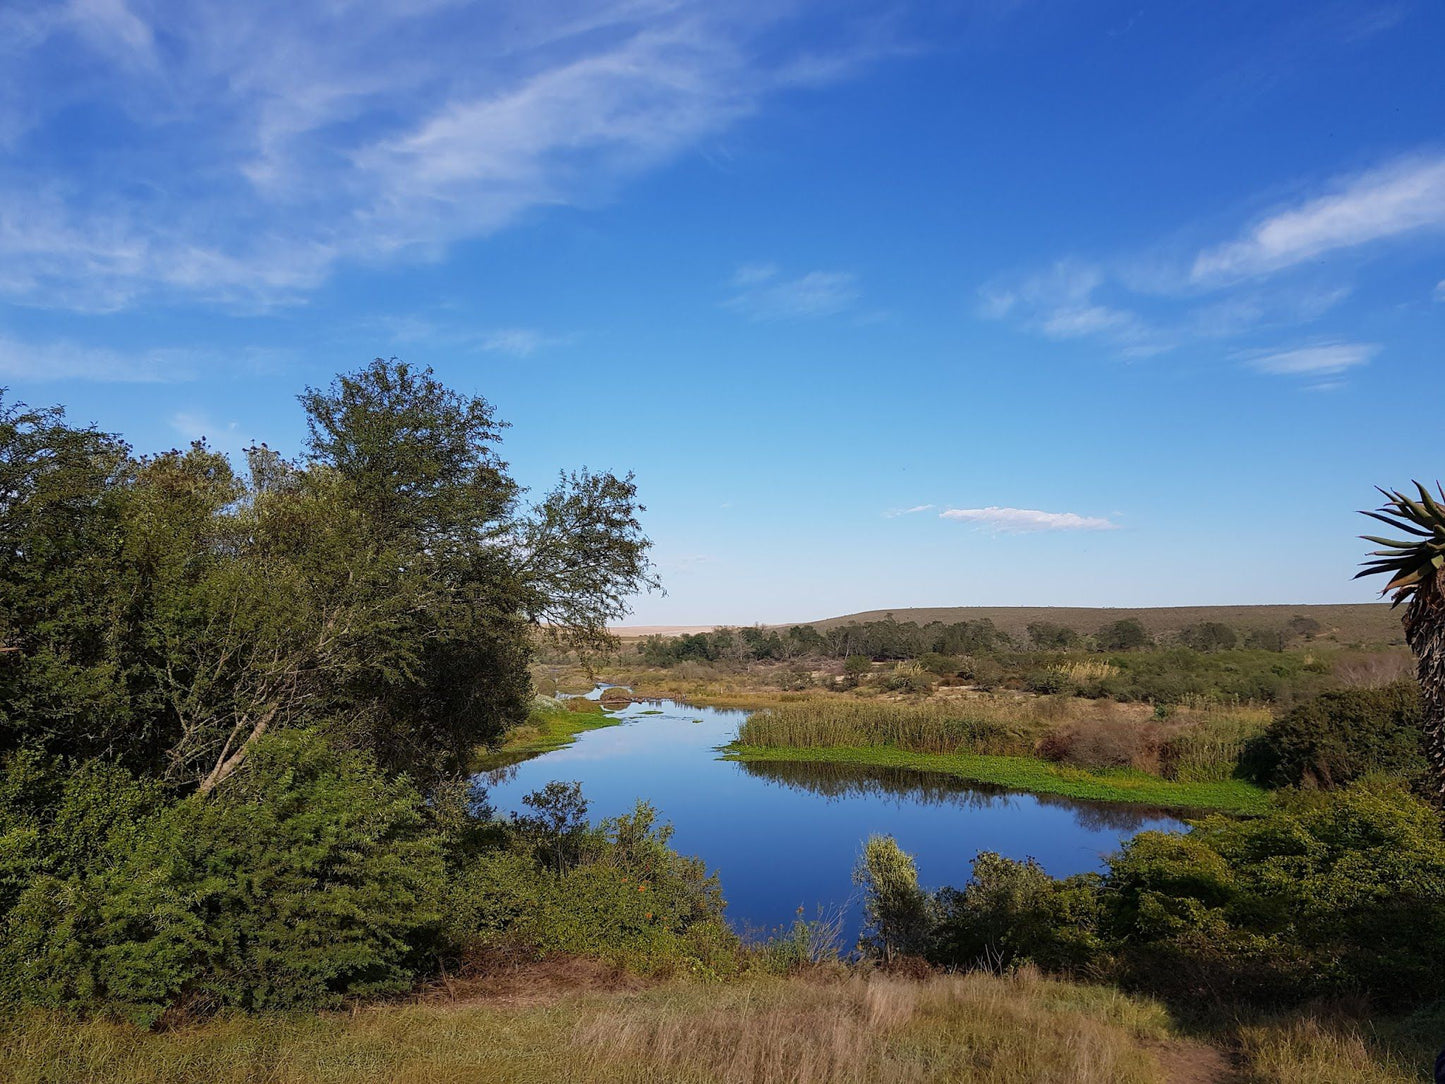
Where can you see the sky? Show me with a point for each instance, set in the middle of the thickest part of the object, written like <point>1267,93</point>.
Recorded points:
<point>886,304</point>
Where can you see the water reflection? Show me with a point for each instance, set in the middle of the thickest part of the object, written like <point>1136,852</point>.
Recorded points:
<point>835,782</point>
<point>786,835</point>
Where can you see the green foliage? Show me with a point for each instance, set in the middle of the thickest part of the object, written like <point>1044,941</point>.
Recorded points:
<point>1013,912</point>
<point>625,895</point>
<point>1411,560</point>
<point>1208,636</point>
<point>307,878</point>
<point>1342,735</point>
<point>166,612</point>
<point>1327,894</point>
<point>1051,637</point>
<point>1125,635</point>
<point>898,914</point>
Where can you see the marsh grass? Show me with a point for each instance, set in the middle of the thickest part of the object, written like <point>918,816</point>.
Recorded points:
<point>1200,744</point>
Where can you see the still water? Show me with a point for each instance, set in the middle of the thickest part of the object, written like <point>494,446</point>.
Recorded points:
<point>787,836</point>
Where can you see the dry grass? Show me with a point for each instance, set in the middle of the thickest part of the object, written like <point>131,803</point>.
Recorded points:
<point>1192,744</point>
<point>956,1028</point>
<point>1307,1049</point>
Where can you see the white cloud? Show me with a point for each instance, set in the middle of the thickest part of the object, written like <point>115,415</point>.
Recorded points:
<point>763,295</point>
<point>1323,359</point>
<point>908,511</point>
<point>1062,303</point>
<point>269,142</point>
<point>1402,197</point>
<point>1439,294</point>
<point>1027,519</point>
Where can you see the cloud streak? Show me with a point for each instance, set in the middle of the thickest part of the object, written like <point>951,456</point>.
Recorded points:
<point>1027,519</point>
<point>1275,276</point>
<point>765,295</point>
<point>1324,359</point>
<point>268,143</point>
<point>1402,197</point>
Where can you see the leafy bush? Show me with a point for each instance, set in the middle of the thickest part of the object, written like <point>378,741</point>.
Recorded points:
<point>306,879</point>
<point>621,893</point>
<point>898,914</point>
<point>1340,736</point>
<point>1012,913</point>
<point>1328,894</point>
<point>1338,893</point>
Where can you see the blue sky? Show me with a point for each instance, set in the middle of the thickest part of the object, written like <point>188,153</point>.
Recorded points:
<point>886,303</point>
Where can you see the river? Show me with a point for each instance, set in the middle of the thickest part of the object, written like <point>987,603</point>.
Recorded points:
<point>784,838</point>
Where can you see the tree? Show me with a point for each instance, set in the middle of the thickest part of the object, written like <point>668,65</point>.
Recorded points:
<point>169,613</point>
<point>1416,567</point>
<point>1125,635</point>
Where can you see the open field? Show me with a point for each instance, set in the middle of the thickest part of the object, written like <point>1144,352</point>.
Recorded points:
<point>1346,623</point>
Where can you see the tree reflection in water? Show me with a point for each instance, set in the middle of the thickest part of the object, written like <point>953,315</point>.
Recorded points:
<point>837,781</point>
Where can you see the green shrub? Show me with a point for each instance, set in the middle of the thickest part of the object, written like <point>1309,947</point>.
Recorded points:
<point>1329,894</point>
<point>1012,913</point>
<point>625,896</point>
<point>307,878</point>
<point>1340,736</point>
<point>898,914</point>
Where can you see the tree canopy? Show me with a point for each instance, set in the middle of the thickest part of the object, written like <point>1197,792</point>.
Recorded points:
<point>167,611</point>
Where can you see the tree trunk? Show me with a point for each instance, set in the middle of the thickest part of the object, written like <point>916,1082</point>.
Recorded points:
<point>1425,633</point>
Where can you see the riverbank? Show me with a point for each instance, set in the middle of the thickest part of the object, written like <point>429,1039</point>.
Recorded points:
<point>1029,774</point>
<point>551,725</point>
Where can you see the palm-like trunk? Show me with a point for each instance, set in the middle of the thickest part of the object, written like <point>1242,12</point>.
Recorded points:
<point>1425,633</point>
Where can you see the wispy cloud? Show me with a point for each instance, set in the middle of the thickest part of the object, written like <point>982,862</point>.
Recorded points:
<point>73,361</point>
<point>763,293</point>
<point>270,142</point>
<point>895,513</point>
<point>520,342</point>
<point>1274,278</point>
<point>1399,198</point>
<point>1027,519</point>
<point>1322,359</point>
<point>1439,293</point>
<point>62,360</point>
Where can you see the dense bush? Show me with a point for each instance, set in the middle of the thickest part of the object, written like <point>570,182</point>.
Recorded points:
<point>1012,913</point>
<point>1341,735</point>
<point>308,878</point>
<point>616,891</point>
<point>1335,893</point>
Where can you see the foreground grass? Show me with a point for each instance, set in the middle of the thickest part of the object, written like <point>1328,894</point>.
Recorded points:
<point>829,1028</point>
<point>840,1031</point>
<point>1029,774</point>
<point>551,725</point>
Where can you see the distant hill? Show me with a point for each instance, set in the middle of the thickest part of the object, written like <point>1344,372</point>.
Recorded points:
<point>1346,623</point>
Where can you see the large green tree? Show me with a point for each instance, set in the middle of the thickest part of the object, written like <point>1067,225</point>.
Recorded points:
<point>1416,567</point>
<point>385,587</point>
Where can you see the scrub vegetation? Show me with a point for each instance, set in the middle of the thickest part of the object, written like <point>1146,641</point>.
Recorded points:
<point>240,838</point>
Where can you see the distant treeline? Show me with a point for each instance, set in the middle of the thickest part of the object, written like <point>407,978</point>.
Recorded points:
<point>890,640</point>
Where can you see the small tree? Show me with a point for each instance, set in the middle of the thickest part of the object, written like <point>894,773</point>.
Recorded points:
<point>899,914</point>
<point>559,821</point>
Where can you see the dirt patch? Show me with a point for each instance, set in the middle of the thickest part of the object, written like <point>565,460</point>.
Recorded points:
<point>1185,1062</point>
<point>533,982</point>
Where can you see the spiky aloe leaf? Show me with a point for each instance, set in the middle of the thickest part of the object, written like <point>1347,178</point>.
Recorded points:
<point>1410,561</point>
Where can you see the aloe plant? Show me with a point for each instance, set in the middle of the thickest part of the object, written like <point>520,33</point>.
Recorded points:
<point>1415,564</point>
